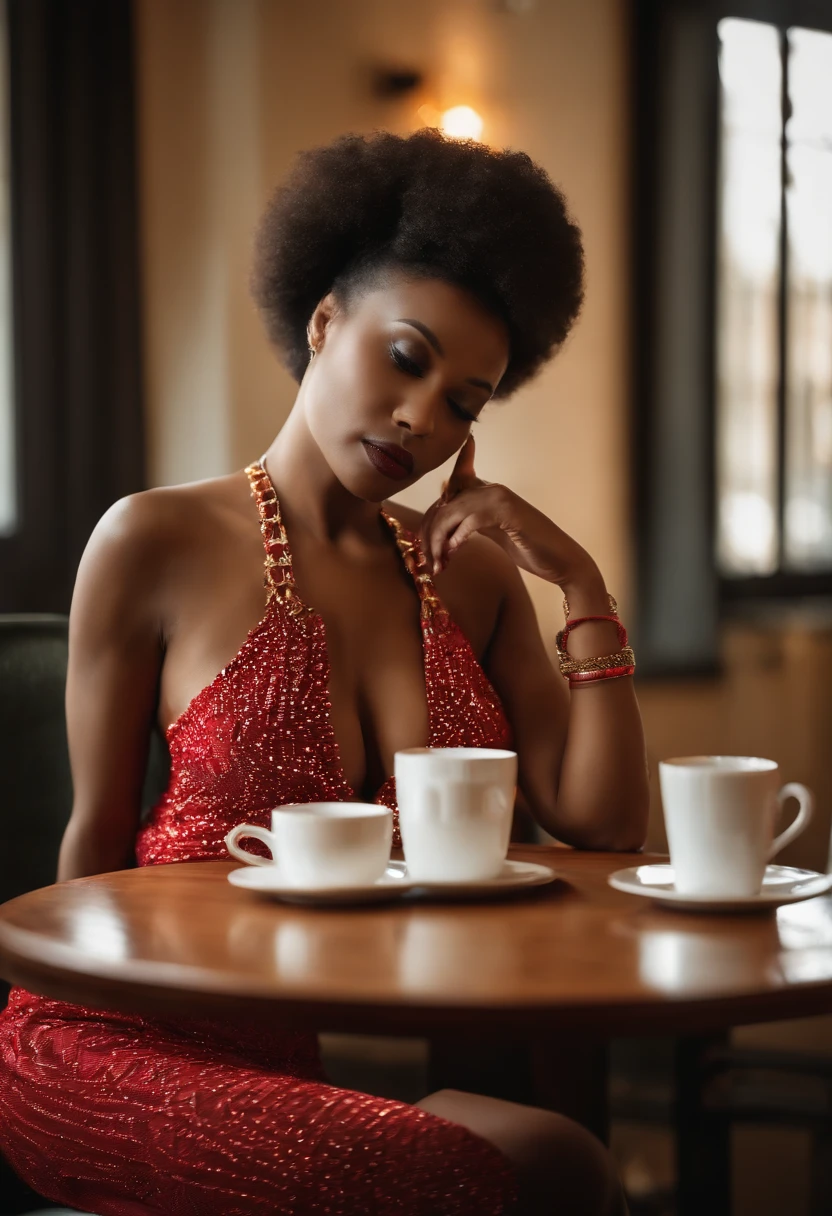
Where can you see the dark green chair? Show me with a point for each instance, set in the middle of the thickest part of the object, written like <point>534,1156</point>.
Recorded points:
<point>36,786</point>
<point>35,782</point>
<point>35,779</point>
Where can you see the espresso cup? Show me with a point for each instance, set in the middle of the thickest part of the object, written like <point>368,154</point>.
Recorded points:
<point>321,844</point>
<point>455,811</point>
<point>720,813</point>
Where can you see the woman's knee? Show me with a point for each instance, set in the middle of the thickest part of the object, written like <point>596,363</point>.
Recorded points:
<point>560,1166</point>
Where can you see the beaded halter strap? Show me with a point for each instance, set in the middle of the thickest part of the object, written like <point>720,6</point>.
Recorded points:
<point>279,576</point>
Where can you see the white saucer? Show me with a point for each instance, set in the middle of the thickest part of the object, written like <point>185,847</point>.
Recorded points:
<point>266,881</point>
<point>515,875</point>
<point>781,885</point>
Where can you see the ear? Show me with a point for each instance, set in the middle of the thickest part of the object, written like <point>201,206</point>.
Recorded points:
<point>326,310</point>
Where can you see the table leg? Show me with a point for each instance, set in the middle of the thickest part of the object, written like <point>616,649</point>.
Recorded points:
<point>821,1192</point>
<point>570,1077</point>
<point>703,1137</point>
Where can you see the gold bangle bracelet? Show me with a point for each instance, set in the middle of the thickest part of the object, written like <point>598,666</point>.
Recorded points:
<point>613,607</point>
<point>603,662</point>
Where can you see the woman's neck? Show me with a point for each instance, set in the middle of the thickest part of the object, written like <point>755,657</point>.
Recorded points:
<point>311,497</point>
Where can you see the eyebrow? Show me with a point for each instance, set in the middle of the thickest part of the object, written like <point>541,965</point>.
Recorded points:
<point>437,346</point>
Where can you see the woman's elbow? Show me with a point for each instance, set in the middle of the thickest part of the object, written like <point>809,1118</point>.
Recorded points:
<point>620,830</point>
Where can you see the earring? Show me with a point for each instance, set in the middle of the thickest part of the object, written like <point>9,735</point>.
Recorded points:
<point>312,349</point>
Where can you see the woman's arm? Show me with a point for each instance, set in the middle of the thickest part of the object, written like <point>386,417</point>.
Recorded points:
<point>582,764</point>
<point>583,769</point>
<point>115,655</point>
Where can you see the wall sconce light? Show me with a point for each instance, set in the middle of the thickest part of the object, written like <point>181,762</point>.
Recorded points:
<point>462,122</point>
<point>396,82</point>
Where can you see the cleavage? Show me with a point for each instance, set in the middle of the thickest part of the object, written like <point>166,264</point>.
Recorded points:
<point>374,646</point>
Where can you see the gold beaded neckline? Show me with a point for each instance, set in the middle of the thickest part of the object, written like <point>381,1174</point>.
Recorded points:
<point>279,575</point>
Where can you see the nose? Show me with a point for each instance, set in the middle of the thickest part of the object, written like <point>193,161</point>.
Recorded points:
<point>416,414</point>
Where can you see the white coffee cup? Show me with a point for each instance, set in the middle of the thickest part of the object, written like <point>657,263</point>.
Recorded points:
<point>455,811</point>
<point>322,844</point>
<point>720,813</point>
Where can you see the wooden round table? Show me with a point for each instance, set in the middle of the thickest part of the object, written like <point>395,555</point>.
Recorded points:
<point>518,997</point>
<point>576,956</point>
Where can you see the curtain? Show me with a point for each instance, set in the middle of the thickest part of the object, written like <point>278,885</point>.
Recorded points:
<point>76,292</point>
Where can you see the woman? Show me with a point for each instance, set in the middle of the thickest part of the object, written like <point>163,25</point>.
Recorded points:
<point>404,283</point>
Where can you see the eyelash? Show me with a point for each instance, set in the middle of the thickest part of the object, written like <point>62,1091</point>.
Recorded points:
<point>407,365</point>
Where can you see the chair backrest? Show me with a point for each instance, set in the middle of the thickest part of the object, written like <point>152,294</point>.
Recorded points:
<point>35,781</point>
<point>35,778</point>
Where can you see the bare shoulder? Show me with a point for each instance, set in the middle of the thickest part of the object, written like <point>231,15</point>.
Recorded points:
<point>147,541</point>
<point>166,518</point>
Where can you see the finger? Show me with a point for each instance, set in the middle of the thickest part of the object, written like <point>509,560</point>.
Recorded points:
<point>426,527</point>
<point>448,520</point>
<point>476,522</point>
<point>463,472</point>
<point>437,529</point>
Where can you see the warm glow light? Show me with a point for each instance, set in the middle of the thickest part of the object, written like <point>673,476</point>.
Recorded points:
<point>430,116</point>
<point>462,122</point>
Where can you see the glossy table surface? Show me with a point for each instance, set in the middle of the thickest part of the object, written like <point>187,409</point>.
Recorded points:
<point>575,955</point>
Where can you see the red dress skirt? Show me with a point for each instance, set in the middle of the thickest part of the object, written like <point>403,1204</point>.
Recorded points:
<point>129,1115</point>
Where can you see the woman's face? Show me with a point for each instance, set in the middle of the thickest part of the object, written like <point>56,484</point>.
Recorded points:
<point>408,368</point>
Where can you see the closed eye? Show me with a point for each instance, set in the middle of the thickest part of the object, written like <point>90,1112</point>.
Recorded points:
<point>413,369</point>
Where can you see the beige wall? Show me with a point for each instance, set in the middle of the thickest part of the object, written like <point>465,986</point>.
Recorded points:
<point>229,90</point>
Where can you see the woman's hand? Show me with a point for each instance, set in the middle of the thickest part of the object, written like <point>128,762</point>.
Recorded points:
<point>582,765</point>
<point>468,504</point>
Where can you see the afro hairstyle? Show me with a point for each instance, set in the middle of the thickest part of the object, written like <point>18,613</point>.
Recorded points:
<point>486,220</point>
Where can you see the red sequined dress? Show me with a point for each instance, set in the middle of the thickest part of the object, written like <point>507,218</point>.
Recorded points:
<point>135,1116</point>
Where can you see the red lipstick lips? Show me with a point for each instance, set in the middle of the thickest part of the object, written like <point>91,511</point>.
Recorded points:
<point>389,458</point>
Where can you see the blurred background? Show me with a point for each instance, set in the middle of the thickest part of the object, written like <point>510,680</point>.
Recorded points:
<point>683,435</point>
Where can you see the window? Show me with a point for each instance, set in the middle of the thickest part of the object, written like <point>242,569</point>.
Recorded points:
<point>774,302</point>
<point>732,308</point>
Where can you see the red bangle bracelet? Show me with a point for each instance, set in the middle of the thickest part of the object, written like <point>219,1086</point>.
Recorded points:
<point>611,673</point>
<point>563,636</point>
<point>610,598</point>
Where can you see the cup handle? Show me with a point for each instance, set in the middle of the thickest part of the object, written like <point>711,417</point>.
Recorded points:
<point>249,829</point>
<point>806,803</point>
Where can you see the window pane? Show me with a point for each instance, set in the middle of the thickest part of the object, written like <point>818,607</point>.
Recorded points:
<point>8,489</point>
<point>808,518</point>
<point>748,270</point>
